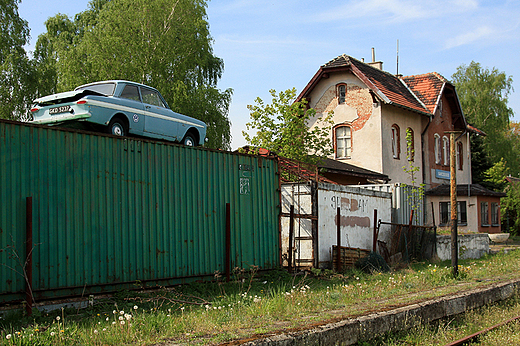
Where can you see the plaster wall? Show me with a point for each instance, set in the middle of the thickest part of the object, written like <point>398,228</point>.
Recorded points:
<point>393,167</point>
<point>359,112</point>
<point>472,207</point>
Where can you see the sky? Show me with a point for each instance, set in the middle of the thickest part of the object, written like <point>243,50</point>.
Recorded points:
<point>281,44</point>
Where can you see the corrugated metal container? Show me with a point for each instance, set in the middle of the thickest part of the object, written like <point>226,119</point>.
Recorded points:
<point>404,197</point>
<point>109,212</point>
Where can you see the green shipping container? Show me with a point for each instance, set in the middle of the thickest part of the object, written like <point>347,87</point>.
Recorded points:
<point>108,212</point>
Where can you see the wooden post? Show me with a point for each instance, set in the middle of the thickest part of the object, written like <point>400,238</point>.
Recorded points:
<point>453,199</point>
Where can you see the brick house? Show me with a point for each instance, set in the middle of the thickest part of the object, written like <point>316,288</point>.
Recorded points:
<point>373,112</point>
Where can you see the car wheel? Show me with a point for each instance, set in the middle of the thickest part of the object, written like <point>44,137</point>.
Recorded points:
<point>117,127</point>
<point>189,140</point>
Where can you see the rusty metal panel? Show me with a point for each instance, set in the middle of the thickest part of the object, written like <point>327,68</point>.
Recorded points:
<point>109,212</point>
<point>300,196</point>
<point>404,198</point>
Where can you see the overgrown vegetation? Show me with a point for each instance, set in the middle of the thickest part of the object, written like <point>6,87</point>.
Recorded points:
<point>461,326</point>
<point>282,126</point>
<point>253,303</point>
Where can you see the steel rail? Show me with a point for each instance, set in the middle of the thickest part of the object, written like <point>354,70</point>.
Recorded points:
<point>483,331</point>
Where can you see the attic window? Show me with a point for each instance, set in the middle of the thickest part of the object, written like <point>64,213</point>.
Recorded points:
<point>342,92</point>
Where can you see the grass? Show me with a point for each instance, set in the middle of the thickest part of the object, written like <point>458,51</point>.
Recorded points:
<point>253,303</point>
<point>449,330</point>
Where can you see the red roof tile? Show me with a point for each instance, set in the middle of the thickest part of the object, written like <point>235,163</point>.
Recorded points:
<point>427,87</point>
<point>384,84</point>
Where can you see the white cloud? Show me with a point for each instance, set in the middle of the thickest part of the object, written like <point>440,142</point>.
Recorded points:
<point>395,10</point>
<point>480,33</point>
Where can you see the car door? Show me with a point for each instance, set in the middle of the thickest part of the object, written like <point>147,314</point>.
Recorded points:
<point>159,119</point>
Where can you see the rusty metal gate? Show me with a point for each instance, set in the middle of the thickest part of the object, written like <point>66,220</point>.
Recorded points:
<point>302,223</point>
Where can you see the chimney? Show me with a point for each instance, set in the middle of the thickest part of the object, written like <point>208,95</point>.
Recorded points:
<point>374,63</point>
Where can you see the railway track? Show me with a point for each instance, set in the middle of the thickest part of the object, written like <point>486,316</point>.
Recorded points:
<point>474,336</point>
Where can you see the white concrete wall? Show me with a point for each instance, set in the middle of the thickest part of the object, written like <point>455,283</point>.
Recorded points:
<point>470,246</point>
<point>357,217</point>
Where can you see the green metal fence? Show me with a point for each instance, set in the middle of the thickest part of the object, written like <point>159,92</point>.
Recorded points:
<point>110,212</point>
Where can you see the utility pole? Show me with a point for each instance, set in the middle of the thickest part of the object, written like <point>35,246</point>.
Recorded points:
<point>453,203</point>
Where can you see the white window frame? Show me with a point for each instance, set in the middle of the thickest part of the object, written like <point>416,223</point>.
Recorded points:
<point>437,148</point>
<point>343,142</point>
<point>446,151</point>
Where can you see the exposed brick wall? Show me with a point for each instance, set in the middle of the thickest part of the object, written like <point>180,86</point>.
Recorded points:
<point>356,97</point>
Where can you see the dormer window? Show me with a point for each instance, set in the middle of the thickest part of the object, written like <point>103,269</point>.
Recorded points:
<point>342,93</point>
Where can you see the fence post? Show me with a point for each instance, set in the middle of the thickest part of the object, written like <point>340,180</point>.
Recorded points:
<point>291,236</point>
<point>338,248</point>
<point>28,256</point>
<point>228,242</point>
<point>375,231</point>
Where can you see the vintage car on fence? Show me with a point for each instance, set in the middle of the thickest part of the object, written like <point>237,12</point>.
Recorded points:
<point>121,108</point>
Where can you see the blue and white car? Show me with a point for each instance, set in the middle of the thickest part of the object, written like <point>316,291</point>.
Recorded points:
<point>121,108</point>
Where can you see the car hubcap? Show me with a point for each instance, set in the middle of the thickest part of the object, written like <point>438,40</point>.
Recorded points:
<point>117,130</point>
<point>189,142</point>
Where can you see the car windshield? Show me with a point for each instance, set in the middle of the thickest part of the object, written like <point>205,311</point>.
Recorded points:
<point>102,88</point>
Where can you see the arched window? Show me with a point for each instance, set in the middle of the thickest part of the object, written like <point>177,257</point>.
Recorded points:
<point>437,148</point>
<point>342,93</point>
<point>446,150</point>
<point>460,156</point>
<point>410,144</point>
<point>343,141</point>
<point>396,141</point>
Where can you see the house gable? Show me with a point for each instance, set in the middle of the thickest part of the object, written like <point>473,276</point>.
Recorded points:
<point>373,110</point>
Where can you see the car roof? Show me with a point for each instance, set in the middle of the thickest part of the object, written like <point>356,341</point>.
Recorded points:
<point>116,81</point>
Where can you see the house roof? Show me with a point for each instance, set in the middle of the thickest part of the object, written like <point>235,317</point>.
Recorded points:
<point>462,190</point>
<point>428,88</point>
<point>385,86</point>
<point>418,93</point>
<point>334,166</point>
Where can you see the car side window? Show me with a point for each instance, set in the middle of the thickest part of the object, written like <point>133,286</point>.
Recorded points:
<point>151,97</point>
<point>131,92</point>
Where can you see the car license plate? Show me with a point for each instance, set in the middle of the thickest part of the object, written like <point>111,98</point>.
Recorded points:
<point>60,109</point>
